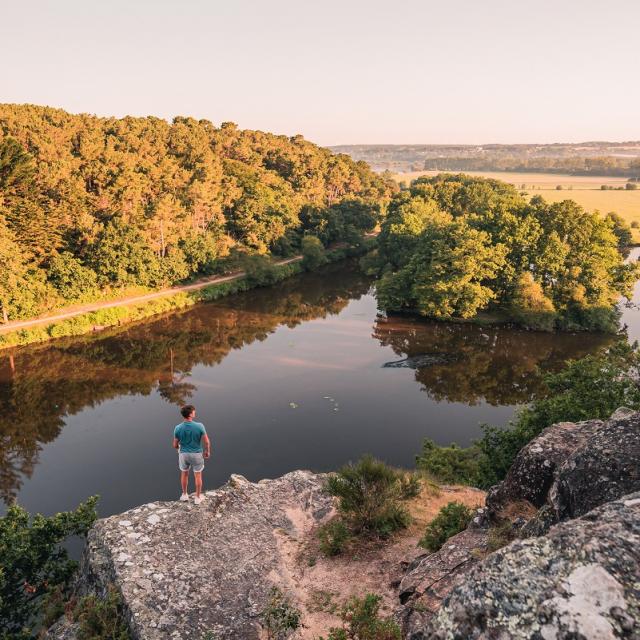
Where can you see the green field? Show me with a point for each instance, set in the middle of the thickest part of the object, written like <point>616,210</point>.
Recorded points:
<point>585,190</point>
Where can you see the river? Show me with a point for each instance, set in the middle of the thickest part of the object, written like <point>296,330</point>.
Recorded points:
<point>306,374</point>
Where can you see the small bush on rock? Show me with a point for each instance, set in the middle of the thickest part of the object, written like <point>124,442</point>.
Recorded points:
<point>334,537</point>
<point>369,494</point>
<point>409,486</point>
<point>280,617</point>
<point>361,621</point>
<point>452,518</point>
<point>101,618</point>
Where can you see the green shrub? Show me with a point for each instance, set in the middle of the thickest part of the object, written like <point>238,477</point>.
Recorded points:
<point>101,618</point>
<point>449,465</point>
<point>260,270</point>
<point>410,485</point>
<point>34,562</point>
<point>313,253</point>
<point>334,537</point>
<point>361,621</point>
<point>369,496</point>
<point>280,617</point>
<point>451,519</point>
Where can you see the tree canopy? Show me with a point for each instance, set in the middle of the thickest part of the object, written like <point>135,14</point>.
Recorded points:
<point>143,201</point>
<point>452,246</point>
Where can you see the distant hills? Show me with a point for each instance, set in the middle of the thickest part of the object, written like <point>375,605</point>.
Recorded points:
<point>584,158</point>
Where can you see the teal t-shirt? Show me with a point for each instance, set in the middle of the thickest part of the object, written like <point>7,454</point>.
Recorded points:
<point>189,434</point>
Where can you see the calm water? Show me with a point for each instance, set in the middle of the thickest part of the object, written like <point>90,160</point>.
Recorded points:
<point>283,378</point>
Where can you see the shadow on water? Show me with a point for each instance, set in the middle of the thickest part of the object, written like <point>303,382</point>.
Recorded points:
<point>244,359</point>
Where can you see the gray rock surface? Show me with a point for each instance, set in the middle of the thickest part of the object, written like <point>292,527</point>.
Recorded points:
<point>535,467</point>
<point>191,572</point>
<point>581,581</point>
<point>571,468</point>
<point>431,577</point>
<point>606,467</point>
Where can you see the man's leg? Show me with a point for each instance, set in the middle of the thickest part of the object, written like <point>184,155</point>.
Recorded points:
<point>184,480</point>
<point>198,477</point>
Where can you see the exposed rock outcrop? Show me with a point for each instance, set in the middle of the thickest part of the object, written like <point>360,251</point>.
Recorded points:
<point>582,580</point>
<point>571,468</point>
<point>606,467</point>
<point>187,571</point>
<point>535,468</point>
<point>431,577</point>
<point>568,470</point>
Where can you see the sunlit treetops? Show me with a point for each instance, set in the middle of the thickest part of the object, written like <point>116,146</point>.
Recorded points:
<point>454,245</point>
<point>89,202</point>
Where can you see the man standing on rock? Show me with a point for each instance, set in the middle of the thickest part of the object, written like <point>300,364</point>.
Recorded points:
<point>188,438</point>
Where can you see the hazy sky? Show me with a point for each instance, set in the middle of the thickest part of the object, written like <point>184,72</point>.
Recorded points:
<point>338,71</point>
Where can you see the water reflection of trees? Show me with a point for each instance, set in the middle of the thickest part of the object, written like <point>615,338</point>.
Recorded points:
<point>499,365</point>
<point>40,386</point>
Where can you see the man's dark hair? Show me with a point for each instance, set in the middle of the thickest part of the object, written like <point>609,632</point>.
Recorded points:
<point>187,410</point>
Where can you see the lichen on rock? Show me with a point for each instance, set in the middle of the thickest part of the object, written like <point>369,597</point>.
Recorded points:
<point>581,580</point>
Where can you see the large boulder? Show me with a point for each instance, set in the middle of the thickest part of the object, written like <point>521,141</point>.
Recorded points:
<point>581,581</point>
<point>570,468</point>
<point>187,571</point>
<point>606,467</point>
<point>535,467</point>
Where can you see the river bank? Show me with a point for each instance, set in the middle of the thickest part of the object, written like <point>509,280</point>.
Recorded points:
<point>119,312</point>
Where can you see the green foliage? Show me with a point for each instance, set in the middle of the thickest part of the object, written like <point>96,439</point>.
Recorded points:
<point>592,387</point>
<point>33,561</point>
<point>369,495</point>
<point>71,279</point>
<point>530,307</point>
<point>280,617</point>
<point>410,485</point>
<point>333,537</point>
<point>361,621</point>
<point>101,618</point>
<point>313,254</point>
<point>453,518</point>
<point>121,257</point>
<point>621,229</point>
<point>16,167</point>
<point>145,202</point>
<point>259,270</point>
<point>449,465</point>
<point>200,252</point>
<point>454,245</point>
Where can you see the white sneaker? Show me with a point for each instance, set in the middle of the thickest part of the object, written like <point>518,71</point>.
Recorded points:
<point>198,499</point>
<point>184,497</point>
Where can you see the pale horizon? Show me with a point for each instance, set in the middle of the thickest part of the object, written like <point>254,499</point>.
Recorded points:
<point>350,73</point>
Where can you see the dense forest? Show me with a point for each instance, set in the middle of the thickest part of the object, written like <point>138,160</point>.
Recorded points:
<point>453,246</point>
<point>91,204</point>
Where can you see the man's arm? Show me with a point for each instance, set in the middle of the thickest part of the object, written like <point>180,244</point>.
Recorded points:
<point>176,443</point>
<point>207,445</point>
